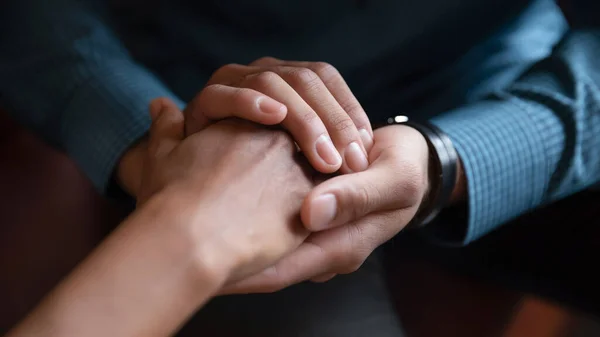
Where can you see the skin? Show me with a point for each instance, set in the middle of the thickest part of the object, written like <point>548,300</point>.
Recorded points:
<point>351,214</point>
<point>191,233</point>
<point>184,244</point>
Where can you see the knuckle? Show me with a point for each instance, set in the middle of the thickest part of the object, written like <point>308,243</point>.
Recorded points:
<point>228,66</point>
<point>332,77</point>
<point>221,74</point>
<point>264,80</point>
<point>304,77</point>
<point>342,123</point>
<point>209,88</point>
<point>353,108</point>
<point>265,60</point>
<point>160,101</point>
<point>362,200</point>
<point>326,71</point>
<point>309,117</point>
<point>205,94</point>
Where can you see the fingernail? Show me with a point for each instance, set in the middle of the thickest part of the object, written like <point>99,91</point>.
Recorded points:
<point>270,106</point>
<point>355,158</point>
<point>327,151</point>
<point>322,211</point>
<point>366,138</point>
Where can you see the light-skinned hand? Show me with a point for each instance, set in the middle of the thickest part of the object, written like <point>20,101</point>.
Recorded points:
<point>244,183</point>
<point>309,99</point>
<point>353,214</point>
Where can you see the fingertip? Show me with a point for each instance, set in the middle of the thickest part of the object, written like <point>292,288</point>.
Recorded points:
<point>367,139</point>
<point>155,108</point>
<point>320,166</point>
<point>326,152</point>
<point>269,106</point>
<point>319,211</point>
<point>271,111</point>
<point>159,105</point>
<point>355,158</point>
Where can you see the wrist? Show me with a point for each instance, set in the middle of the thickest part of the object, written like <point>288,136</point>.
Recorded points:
<point>186,219</point>
<point>443,162</point>
<point>148,264</point>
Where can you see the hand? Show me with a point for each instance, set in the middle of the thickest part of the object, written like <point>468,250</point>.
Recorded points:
<point>310,100</point>
<point>353,214</point>
<point>244,190</point>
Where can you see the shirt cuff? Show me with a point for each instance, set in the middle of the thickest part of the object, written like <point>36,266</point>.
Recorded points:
<point>503,147</point>
<point>107,115</point>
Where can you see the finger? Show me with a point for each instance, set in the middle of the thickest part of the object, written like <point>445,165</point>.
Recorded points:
<point>323,278</point>
<point>315,121</point>
<point>346,198</point>
<point>301,121</point>
<point>338,87</point>
<point>167,128</point>
<point>340,126</point>
<point>266,61</point>
<point>320,94</point>
<point>340,250</point>
<point>232,74</point>
<point>308,260</point>
<point>217,101</point>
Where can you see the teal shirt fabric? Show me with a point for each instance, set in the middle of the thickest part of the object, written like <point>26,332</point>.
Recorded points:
<point>512,82</point>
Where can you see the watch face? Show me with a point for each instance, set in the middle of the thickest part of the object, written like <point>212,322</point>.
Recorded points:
<point>398,119</point>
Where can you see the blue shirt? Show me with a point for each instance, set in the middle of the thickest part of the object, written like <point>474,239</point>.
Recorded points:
<point>514,85</point>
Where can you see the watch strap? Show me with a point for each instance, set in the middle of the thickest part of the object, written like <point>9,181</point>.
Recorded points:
<point>442,170</point>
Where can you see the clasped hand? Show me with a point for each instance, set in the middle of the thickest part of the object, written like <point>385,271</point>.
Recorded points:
<point>381,180</point>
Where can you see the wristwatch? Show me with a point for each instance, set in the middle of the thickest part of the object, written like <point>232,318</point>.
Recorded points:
<point>443,166</point>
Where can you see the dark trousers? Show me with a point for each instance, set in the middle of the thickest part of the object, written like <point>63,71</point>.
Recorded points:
<point>552,253</point>
<point>355,305</point>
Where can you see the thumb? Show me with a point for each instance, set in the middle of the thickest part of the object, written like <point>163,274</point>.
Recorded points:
<point>350,197</point>
<point>167,128</point>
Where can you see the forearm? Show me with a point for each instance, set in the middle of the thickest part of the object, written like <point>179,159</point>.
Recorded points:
<point>66,74</point>
<point>145,279</point>
<point>533,142</point>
